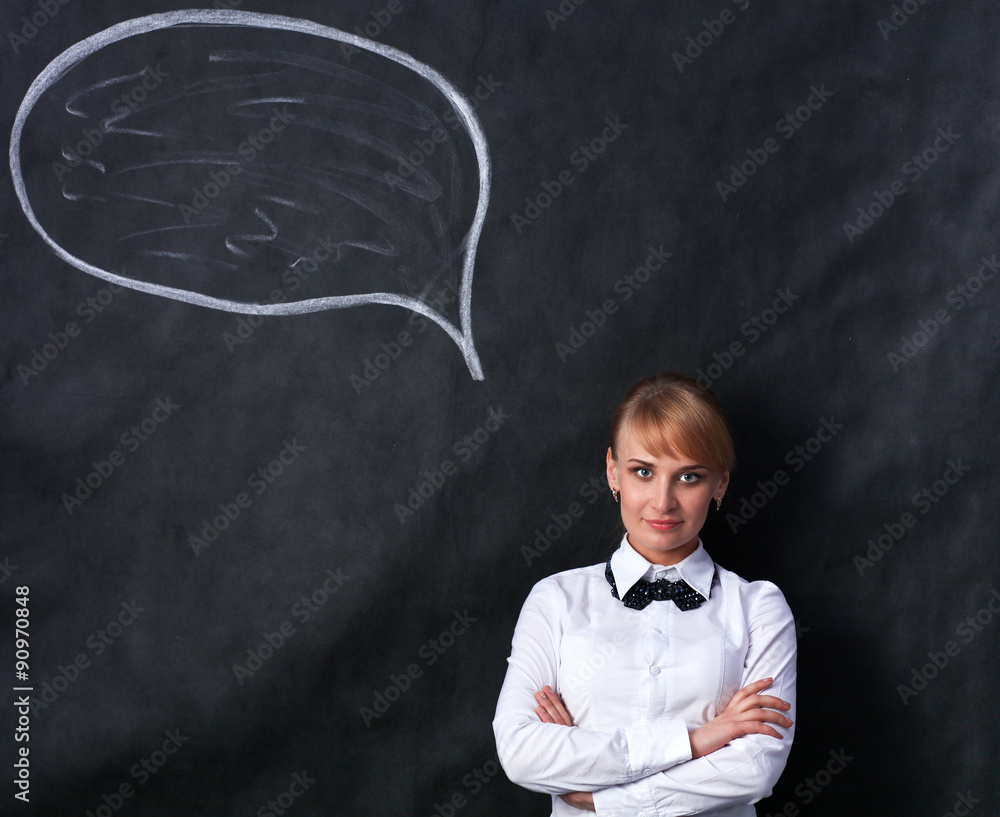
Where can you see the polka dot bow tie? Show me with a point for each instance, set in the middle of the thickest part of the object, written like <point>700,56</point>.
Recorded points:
<point>643,592</point>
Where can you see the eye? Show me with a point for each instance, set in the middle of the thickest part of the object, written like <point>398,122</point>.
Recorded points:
<point>689,477</point>
<point>642,473</point>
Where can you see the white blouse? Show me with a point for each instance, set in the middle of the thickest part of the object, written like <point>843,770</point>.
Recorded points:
<point>636,681</point>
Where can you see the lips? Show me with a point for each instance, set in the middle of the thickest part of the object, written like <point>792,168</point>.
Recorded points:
<point>662,524</point>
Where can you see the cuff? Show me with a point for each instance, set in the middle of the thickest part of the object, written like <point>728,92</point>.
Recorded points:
<point>633,799</point>
<point>657,745</point>
<point>654,747</point>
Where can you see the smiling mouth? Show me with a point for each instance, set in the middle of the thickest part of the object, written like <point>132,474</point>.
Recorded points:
<point>663,524</point>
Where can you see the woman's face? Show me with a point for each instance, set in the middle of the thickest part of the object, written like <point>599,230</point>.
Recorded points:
<point>664,501</point>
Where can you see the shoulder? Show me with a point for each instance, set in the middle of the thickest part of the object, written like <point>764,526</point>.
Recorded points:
<point>760,600</point>
<point>578,578</point>
<point>567,588</point>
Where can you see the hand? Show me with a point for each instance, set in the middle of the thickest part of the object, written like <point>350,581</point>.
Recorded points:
<point>579,799</point>
<point>550,708</point>
<point>747,713</point>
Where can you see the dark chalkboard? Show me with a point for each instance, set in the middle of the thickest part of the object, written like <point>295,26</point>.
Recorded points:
<point>314,323</point>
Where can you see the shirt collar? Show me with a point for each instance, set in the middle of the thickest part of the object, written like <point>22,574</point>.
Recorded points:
<point>628,567</point>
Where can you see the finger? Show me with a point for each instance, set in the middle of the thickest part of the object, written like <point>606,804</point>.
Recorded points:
<point>549,703</point>
<point>751,689</point>
<point>756,728</point>
<point>758,702</point>
<point>762,716</point>
<point>761,701</point>
<point>557,704</point>
<point>546,712</point>
<point>543,716</point>
<point>767,730</point>
<point>772,702</point>
<point>552,704</point>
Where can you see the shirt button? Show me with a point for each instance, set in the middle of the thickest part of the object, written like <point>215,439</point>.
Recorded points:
<point>658,631</point>
<point>647,771</point>
<point>654,670</point>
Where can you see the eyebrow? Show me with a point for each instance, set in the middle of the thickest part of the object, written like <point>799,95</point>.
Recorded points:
<point>637,461</point>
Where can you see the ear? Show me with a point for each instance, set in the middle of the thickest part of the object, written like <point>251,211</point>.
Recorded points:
<point>612,470</point>
<point>723,484</point>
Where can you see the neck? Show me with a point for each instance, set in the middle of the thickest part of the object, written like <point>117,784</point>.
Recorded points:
<point>664,558</point>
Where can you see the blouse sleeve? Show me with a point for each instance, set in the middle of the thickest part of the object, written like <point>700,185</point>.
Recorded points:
<point>556,759</point>
<point>746,769</point>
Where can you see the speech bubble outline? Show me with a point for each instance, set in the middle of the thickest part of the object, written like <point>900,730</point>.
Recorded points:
<point>62,64</point>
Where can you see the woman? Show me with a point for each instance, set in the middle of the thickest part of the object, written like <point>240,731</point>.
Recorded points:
<point>657,683</point>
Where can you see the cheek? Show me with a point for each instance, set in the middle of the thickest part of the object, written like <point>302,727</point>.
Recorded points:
<point>699,504</point>
<point>634,501</point>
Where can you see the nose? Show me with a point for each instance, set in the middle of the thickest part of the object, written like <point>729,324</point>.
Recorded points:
<point>664,499</point>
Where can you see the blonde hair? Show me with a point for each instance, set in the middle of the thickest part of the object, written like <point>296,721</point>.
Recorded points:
<point>672,414</point>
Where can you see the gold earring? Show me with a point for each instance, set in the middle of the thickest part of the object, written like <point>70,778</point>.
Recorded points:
<point>718,503</point>
<point>615,494</point>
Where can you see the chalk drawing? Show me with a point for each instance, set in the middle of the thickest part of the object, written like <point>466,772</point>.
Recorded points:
<point>420,185</point>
